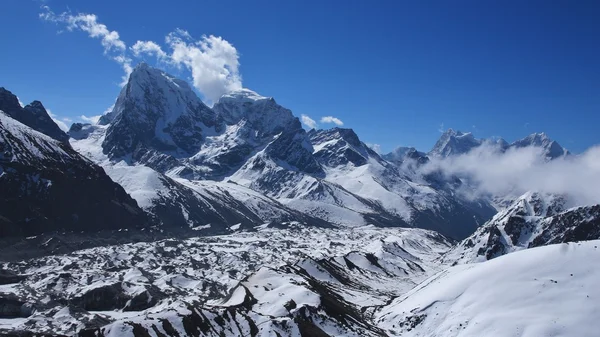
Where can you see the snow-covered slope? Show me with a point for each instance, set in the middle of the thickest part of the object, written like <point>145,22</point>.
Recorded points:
<point>532,220</point>
<point>176,202</point>
<point>293,280</point>
<point>546,291</point>
<point>47,186</point>
<point>355,186</point>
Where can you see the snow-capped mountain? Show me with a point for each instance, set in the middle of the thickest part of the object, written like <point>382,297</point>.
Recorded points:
<point>250,144</point>
<point>156,120</point>
<point>47,186</point>
<point>33,115</point>
<point>533,220</point>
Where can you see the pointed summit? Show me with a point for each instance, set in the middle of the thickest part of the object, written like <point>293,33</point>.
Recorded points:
<point>156,111</point>
<point>454,143</point>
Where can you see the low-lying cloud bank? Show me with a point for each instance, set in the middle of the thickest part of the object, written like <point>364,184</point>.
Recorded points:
<point>516,171</point>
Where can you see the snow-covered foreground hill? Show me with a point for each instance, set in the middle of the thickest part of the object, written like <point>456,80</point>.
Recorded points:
<point>545,291</point>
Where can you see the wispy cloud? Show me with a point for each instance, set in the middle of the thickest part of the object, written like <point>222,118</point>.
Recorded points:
<point>331,119</point>
<point>151,48</point>
<point>90,119</point>
<point>212,60</point>
<point>441,128</point>
<point>375,147</point>
<point>311,123</point>
<point>111,41</point>
<point>59,121</point>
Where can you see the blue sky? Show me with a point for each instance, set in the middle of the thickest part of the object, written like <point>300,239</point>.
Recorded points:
<point>394,71</point>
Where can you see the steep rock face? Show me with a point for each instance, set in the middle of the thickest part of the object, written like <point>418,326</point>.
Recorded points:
<point>337,146</point>
<point>532,220</point>
<point>261,113</point>
<point>49,187</point>
<point>33,115</point>
<point>156,112</point>
<point>254,123</point>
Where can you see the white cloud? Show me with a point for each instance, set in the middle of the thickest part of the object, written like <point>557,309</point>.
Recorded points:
<point>520,170</point>
<point>58,121</point>
<point>110,39</point>
<point>213,61</point>
<point>150,48</point>
<point>308,121</point>
<point>88,23</point>
<point>441,129</point>
<point>375,147</point>
<point>90,119</point>
<point>125,63</point>
<point>331,119</point>
<point>20,103</point>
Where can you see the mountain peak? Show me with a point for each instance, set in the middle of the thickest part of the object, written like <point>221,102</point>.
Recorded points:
<point>156,110</point>
<point>261,113</point>
<point>8,101</point>
<point>33,115</point>
<point>551,148</point>
<point>453,142</point>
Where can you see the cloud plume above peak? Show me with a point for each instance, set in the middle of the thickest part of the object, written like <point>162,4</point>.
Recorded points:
<point>212,61</point>
<point>331,119</point>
